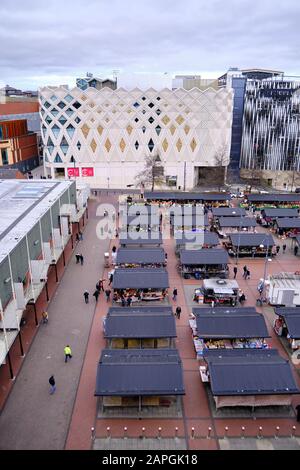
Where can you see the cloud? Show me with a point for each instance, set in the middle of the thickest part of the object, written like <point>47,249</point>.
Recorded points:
<point>65,39</point>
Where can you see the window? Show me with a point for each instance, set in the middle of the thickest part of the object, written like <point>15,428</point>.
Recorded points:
<point>136,120</point>
<point>62,120</point>
<point>158,129</point>
<point>55,130</point>
<point>158,112</point>
<point>54,112</point>
<point>68,98</point>
<point>48,119</point>
<point>61,105</point>
<point>50,146</point>
<point>151,145</point>
<point>57,159</point>
<point>53,98</point>
<point>151,105</point>
<point>77,120</point>
<point>70,130</point>
<point>64,145</point>
<point>78,145</point>
<point>136,145</point>
<point>144,98</point>
<point>158,98</point>
<point>4,156</point>
<point>76,105</point>
<point>151,120</point>
<point>47,104</point>
<point>69,112</point>
<point>136,104</point>
<point>143,129</point>
<point>1,133</point>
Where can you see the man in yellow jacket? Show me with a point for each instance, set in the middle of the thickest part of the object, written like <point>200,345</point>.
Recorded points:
<point>68,353</point>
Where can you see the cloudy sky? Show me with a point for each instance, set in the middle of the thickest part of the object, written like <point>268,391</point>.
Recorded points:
<point>52,42</point>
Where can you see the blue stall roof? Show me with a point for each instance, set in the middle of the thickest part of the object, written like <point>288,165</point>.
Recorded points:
<point>237,222</point>
<point>140,255</point>
<point>186,196</point>
<point>277,197</point>
<point>249,372</point>
<point>228,212</point>
<point>205,256</point>
<point>140,278</point>
<point>145,238</point>
<point>200,238</point>
<point>274,213</point>
<point>251,239</point>
<point>133,372</point>
<point>292,319</point>
<point>287,222</point>
<point>140,322</point>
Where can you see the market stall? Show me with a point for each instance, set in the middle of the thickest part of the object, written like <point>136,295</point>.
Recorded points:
<point>140,327</point>
<point>249,244</point>
<point>262,201</point>
<point>190,219</point>
<point>287,226</point>
<point>284,289</point>
<point>214,199</point>
<point>218,212</point>
<point>204,263</point>
<point>227,328</point>
<point>195,240</point>
<point>144,239</point>
<point>139,218</point>
<point>236,223</point>
<point>140,284</point>
<point>269,216</point>
<point>249,377</point>
<point>288,325</point>
<point>139,378</point>
<point>140,257</point>
<point>218,292</point>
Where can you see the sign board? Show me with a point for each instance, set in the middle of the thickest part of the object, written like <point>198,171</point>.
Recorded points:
<point>88,171</point>
<point>73,171</point>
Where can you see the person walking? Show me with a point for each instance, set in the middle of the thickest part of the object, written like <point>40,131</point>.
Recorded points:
<point>296,250</point>
<point>45,317</point>
<point>111,278</point>
<point>175,293</point>
<point>96,294</point>
<point>80,235</point>
<point>99,285</point>
<point>68,353</point>
<point>107,293</point>
<point>245,272</point>
<point>277,249</point>
<point>235,271</point>
<point>178,312</point>
<point>81,259</point>
<point>77,237</point>
<point>86,296</point>
<point>248,274</point>
<point>283,248</point>
<point>77,256</point>
<point>52,384</point>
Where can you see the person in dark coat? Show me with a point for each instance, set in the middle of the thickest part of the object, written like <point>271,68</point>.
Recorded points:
<point>52,384</point>
<point>107,293</point>
<point>245,272</point>
<point>235,271</point>
<point>96,294</point>
<point>111,278</point>
<point>178,312</point>
<point>283,248</point>
<point>86,296</point>
<point>175,293</point>
<point>81,259</point>
<point>77,256</point>
<point>296,250</point>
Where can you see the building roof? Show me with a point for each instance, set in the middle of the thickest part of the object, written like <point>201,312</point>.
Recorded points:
<point>136,372</point>
<point>273,213</point>
<point>228,211</point>
<point>288,222</point>
<point>140,255</point>
<point>249,372</point>
<point>140,322</point>
<point>230,325</point>
<point>251,239</point>
<point>142,238</point>
<point>237,222</point>
<point>183,196</point>
<point>140,278</point>
<point>278,197</point>
<point>205,256</point>
<point>199,238</point>
<point>221,286</point>
<point>292,319</point>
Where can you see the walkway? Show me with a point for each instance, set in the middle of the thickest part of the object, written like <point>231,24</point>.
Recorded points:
<point>32,418</point>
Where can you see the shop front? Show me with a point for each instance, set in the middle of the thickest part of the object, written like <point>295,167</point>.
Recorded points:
<point>250,245</point>
<point>204,263</point>
<point>140,257</point>
<point>287,325</point>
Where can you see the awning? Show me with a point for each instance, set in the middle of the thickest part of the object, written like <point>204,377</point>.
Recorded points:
<point>251,239</point>
<point>198,238</point>
<point>140,256</point>
<point>274,213</point>
<point>142,238</point>
<point>291,197</point>
<point>186,196</point>
<point>287,222</point>
<point>140,278</point>
<point>237,222</point>
<point>205,256</point>
<point>228,212</point>
<point>139,372</point>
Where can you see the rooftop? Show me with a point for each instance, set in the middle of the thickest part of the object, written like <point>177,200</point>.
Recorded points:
<point>208,256</point>
<point>140,278</point>
<point>237,222</point>
<point>140,255</point>
<point>251,239</point>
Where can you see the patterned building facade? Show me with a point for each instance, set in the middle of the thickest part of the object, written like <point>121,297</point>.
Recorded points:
<point>104,135</point>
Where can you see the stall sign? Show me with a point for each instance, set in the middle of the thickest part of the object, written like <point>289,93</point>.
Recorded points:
<point>73,171</point>
<point>88,171</point>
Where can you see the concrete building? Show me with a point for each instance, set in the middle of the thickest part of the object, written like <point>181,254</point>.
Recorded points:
<point>188,82</point>
<point>18,146</point>
<point>102,137</point>
<point>12,109</point>
<point>98,83</point>
<point>36,225</point>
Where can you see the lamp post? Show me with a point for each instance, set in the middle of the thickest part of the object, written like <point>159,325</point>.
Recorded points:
<point>239,239</point>
<point>265,268</point>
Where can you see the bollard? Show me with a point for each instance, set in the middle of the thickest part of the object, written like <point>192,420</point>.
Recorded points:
<point>209,433</point>
<point>143,432</point>
<point>176,432</point>
<point>226,431</point>
<point>293,431</point>
<point>243,432</point>
<point>193,433</point>
<point>259,435</point>
<point>125,432</point>
<point>159,433</point>
<point>92,434</point>
<point>277,432</point>
<point>108,432</point>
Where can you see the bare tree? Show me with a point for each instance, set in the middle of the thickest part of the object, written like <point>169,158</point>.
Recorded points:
<point>152,173</point>
<point>221,158</point>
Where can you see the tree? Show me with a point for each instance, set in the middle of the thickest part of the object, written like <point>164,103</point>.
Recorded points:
<point>152,173</point>
<point>221,158</point>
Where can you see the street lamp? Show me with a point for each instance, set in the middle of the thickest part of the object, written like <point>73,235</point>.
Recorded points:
<point>239,239</point>
<point>108,182</point>
<point>265,269</point>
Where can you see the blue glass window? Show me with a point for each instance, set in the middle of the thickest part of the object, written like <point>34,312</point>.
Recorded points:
<point>70,130</point>
<point>55,130</point>
<point>151,145</point>
<point>57,159</point>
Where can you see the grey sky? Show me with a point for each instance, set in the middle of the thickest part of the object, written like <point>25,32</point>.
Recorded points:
<point>52,42</point>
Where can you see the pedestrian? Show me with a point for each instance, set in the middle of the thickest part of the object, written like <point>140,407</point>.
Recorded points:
<point>111,278</point>
<point>277,249</point>
<point>245,271</point>
<point>96,294</point>
<point>80,236</point>
<point>235,271</point>
<point>283,248</point>
<point>212,304</point>
<point>296,250</point>
<point>77,256</point>
<point>114,249</point>
<point>123,301</point>
<point>52,385</point>
<point>178,312</point>
<point>77,237</point>
<point>68,353</point>
<point>248,274</point>
<point>86,296</point>
<point>100,285</point>
<point>107,293</point>
<point>175,294</point>
<point>298,412</point>
<point>45,316</point>
<point>129,301</point>
<point>81,260</point>
<point>166,256</point>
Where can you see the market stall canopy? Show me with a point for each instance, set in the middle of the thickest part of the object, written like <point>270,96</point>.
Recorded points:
<point>198,238</point>
<point>140,256</point>
<point>140,322</point>
<point>223,310</point>
<point>140,278</point>
<point>237,222</point>
<point>251,239</point>
<point>139,372</point>
<point>147,238</point>
<point>228,212</point>
<point>190,217</point>
<point>249,372</point>
<point>274,213</point>
<point>205,256</point>
<point>290,197</point>
<point>292,320</point>
<point>186,196</point>
<point>236,324</point>
<point>287,222</point>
